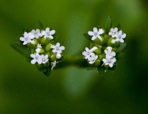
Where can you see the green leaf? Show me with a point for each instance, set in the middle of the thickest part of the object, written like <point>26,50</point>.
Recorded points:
<point>19,47</point>
<point>108,24</point>
<point>39,25</point>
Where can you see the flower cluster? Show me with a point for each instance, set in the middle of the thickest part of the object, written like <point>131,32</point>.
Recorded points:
<point>104,47</point>
<point>44,52</point>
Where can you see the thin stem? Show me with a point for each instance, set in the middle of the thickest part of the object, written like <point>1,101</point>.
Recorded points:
<point>75,60</point>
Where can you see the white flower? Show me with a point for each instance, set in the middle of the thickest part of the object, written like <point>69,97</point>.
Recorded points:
<point>36,33</point>
<point>53,64</point>
<point>36,58</point>
<point>109,61</point>
<point>113,32</point>
<point>92,58</point>
<point>38,49</point>
<point>44,59</point>
<point>57,48</point>
<point>96,33</point>
<point>48,33</point>
<point>120,36</point>
<point>27,38</point>
<point>88,52</point>
<point>109,53</point>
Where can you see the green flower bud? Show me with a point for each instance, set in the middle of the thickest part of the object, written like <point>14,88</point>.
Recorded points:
<point>45,41</point>
<point>42,50</point>
<point>48,47</point>
<point>98,41</point>
<point>48,53</point>
<point>98,51</point>
<point>97,62</point>
<point>53,57</point>
<point>101,56</point>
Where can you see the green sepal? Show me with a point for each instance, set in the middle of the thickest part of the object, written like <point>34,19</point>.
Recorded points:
<point>19,47</point>
<point>108,24</point>
<point>122,47</point>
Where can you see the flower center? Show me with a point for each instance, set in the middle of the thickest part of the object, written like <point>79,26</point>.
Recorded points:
<point>48,34</point>
<point>95,33</point>
<point>26,38</point>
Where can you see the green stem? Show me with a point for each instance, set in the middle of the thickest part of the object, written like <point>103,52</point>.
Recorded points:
<point>75,60</point>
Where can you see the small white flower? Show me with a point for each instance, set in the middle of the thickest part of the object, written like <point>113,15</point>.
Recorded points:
<point>57,48</point>
<point>44,59</point>
<point>109,61</point>
<point>53,64</point>
<point>96,33</point>
<point>88,52</point>
<point>109,53</point>
<point>38,49</point>
<point>36,58</point>
<point>36,33</point>
<point>92,58</point>
<point>27,38</point>
<point>113,32</point>
<point>48,33</point>
<point>120,36</point>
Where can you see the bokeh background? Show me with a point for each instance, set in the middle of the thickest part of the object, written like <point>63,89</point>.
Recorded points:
<point>25,90</point>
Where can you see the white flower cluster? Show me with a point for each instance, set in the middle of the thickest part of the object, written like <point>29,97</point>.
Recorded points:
<point>117,36</point>
<point>35,34</point>
<point>90,55</point>
<point>106,46</point>
<point>109,57</point>
<point>41,47</point>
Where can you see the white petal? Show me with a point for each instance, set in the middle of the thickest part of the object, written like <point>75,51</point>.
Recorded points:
<point>124,35</point>
<point>62,48</point>
<point>21,38</point>
<point>95,29</point>
<point>47,29</point>
<point>33,61</point>
<point>58,44</point>
<point>32,55</point>
<point>111,65</point>
<point>101,31</point>
<point>93,38</point>
<point>58,56</point>
<point>52,32</point>
<point>90,33</point>
<point>51,37</point>
<point>24,43</point>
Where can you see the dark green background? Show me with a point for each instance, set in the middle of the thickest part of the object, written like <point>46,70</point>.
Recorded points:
<point>24,90</point>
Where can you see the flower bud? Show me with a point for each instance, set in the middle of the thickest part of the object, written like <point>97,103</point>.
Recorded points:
<point>98,51</point>
<point>48,47</point>
<point>45,41</point>
<point>53,57</point>
<point>97,62</point>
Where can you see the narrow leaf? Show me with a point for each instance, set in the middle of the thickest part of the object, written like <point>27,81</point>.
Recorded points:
<point>108,24</point>
<point>18,46</point>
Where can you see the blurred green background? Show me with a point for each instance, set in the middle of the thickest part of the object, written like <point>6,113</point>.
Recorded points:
<point>25,90</point>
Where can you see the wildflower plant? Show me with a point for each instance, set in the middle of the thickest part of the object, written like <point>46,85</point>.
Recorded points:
<point>106,47</point>
<point>40,49</point>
